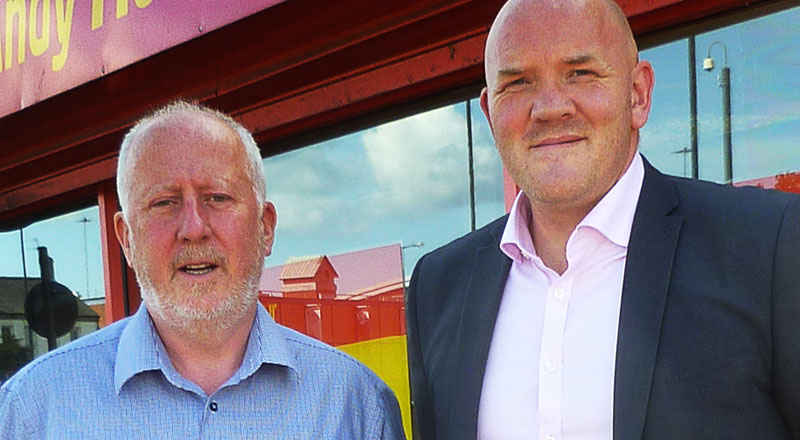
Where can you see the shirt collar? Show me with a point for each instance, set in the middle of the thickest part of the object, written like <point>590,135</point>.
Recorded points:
<point>612,216</point>
<point>516,241</point>
<point>140,349</point>
<point>266,345</point>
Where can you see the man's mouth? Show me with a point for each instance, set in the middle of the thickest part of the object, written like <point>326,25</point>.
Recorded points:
<point>198,268</point>
<point>559,141</point>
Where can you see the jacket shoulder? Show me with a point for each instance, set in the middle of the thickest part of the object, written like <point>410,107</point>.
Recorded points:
<point>745,201</point>
<point>465,246</point>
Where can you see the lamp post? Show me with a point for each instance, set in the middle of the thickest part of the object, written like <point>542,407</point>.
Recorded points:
<point>403,248</point>
<point>725,84</point>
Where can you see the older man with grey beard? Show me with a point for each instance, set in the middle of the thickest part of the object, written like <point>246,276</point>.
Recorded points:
<point>201,358</point>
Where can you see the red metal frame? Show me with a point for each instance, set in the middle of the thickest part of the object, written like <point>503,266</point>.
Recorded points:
<point>283,72</point>
<point>115,275</point>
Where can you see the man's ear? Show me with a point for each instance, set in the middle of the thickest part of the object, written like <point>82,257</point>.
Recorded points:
<point>269,218</point>
<point>485,107</point>
<point>123,236</point>
<point>642,82</point>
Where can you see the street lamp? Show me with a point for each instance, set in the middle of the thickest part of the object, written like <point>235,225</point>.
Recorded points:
<point>725,84</point>
<point>403,248</point>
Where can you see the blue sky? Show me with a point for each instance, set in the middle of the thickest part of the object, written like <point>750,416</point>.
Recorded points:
<point>764,57</point>
<point>406,181</point>
<point>63,236</point>
<point>402,182</point>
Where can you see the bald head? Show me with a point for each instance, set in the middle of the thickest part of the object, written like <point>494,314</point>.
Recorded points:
<point>565,98</point>
<point>605,16</point>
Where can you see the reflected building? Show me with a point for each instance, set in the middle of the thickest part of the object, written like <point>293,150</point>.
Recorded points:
<point>339,299</point>
<point>18,339</point>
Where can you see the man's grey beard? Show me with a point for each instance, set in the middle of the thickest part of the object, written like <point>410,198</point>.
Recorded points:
<point>195,321</point>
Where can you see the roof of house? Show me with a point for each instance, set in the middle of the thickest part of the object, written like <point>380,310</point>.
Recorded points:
<point>12,297</point>
<point>305,267</point>
<point>358,270</point>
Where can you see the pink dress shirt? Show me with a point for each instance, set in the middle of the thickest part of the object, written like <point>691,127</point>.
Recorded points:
<point>550,371</point>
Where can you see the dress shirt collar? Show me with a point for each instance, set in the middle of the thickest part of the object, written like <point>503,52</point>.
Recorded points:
<point>612,216</point>
<point>140,349</point>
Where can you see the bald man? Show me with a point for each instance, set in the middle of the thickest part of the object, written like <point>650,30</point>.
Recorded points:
<point>612,301</point>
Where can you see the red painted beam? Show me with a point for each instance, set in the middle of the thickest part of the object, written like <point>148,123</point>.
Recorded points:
<point>42,141</point>
<point>118,278</point>
<point>112,255</point>
<point>283,71</point>
<point>666,13</point>
<point>336,99</point>
<point>276,40</point>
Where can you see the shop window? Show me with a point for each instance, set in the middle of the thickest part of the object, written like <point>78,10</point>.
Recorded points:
<point>356,213</point>
<point>761,55</point>
<point>72,242</point>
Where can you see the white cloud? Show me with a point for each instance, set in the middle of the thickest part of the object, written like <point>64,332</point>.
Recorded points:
<point>410,167</point>
<point>422,159</point>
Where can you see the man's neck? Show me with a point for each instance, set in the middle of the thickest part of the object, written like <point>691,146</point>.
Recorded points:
<point>550,231</point>
<point>206,356</point>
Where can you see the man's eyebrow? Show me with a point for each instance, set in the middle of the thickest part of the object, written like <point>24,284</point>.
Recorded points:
<point>578,59</point>
<point>509,71</point>
<point>160,189</point>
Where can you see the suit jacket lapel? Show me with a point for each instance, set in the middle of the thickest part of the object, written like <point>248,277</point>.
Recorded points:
<point>479,312</point>
<point>648,267</point>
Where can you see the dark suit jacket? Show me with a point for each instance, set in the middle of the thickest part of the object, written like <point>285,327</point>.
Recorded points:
<point>709,329</point>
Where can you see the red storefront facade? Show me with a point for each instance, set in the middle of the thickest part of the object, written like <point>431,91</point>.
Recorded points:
<point>294,72</point>
<point>291,71</point>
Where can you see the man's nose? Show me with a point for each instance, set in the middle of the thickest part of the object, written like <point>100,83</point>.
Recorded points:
<point>194,225</point>
<point>551,104</point>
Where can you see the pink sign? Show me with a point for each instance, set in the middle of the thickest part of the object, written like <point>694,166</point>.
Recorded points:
<point>49,46</point>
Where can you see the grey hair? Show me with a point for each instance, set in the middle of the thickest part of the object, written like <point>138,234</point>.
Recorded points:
<point>127,151</point>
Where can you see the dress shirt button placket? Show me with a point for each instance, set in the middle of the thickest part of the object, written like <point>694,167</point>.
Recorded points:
<point>550,360</point>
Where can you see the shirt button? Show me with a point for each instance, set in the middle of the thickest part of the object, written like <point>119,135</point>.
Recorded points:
<point>551,437</point>
<point>213,406</point>
<point>550,366</point>
<point>558,293</point>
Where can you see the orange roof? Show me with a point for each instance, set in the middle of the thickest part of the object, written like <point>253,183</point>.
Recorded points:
<point>305,267</point>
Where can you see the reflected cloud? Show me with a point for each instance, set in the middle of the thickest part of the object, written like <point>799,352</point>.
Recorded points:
<point>412,166</point>
<point>423,159</point>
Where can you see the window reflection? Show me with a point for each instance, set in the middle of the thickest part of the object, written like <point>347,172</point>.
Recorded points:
<point>765,96</point>
<point>762,55</point>
<point>665,138</point>
<point>73,243</point>
<point>356,213</point>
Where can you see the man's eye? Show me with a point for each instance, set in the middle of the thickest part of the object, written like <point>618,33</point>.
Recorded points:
<point>162,203</point>
<point>582,73</point>
<point>514,84</point>
<point>218,198</point>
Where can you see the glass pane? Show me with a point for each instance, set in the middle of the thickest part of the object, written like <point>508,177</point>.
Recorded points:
<point>665,139</point>
<point>489,200</point>
<point>354,216</point>
<point>762,55</point>
<point>73,243</point>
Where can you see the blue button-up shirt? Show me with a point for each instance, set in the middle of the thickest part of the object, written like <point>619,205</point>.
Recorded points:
<point>118,383</point>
